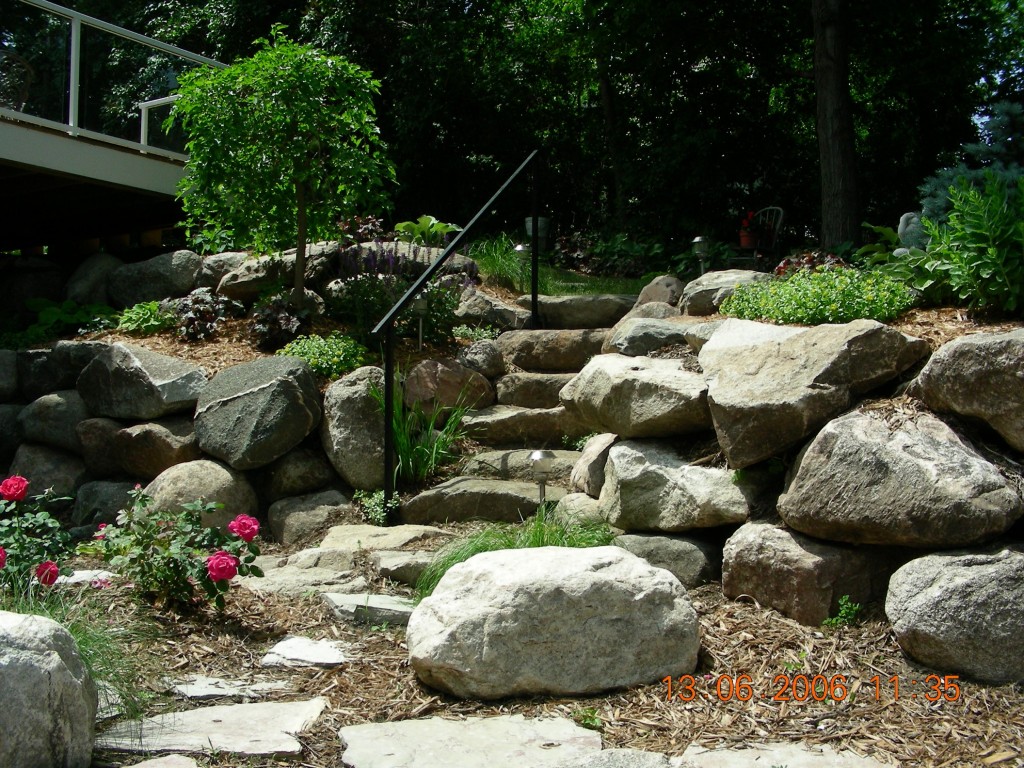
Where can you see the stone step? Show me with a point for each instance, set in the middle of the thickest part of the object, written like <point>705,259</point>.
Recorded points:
<point>475,498</point>
<point>370,609</point>
<point>553,351</point>
<point>531,390</point>
<point>593,311</point>
<point>516,465</point>
<point>509,426</point>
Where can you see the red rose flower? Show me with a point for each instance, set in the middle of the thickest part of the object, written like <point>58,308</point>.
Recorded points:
<point>99,531</point>
<point>3,557</point>
<point>14,488</point>
<point>47,573</point>
<point>245,527</point>
<point>222,566</point>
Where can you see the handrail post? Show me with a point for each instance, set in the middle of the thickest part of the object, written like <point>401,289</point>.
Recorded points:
<point>534,247</point>
<point>74,76</point>
<point>389,410</point>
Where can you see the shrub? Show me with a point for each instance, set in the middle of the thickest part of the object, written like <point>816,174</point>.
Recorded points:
<point>827,296</point>
<point>276,321</point>
<point>171,557</point>
<point>373,507</point>
<point>538,531</point>
<point>145,318</point>
<point>54,320</point>
<point>32,542</point>
<point>202,312</point>
<point>330,357</point>
<point>477,333</point>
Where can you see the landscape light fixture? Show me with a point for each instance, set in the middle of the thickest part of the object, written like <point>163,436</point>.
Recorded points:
<point>419,309</point>
<point>543,462</point>
<point>700,250</point>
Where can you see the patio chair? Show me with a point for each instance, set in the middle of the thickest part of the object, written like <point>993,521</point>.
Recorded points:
<point>764,255</point>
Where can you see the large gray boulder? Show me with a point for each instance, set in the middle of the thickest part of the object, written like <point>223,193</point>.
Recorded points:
<point>583,311</point>
<point>98,436</point>
<point>692,561</point>
<point>980,375</point>
<point>647,487</point>
<point>484,357</point>
<point>216,265</point>
<point>476,498</point>
<point>667,289</point>
<point>128,382</point>
<point>962,612</point>
<point>296,518</point>
<point>517,623</point>
<point>517,465</point>
<point>41,371</point>
<point>565,350</point>
<point>442,384</point>
<point>46,467</point>
<point>352,432</point>
<point>205,480</point>
<point>638,397</point>
<point>256,276</point>
<point>531,390</point>
<point>10,432</point>
<point>705,294</point>
<point>8,375</point>
<point>99,501</point>
<point>251,414</point>
<point>300,471</point>
<point>53,419</point>
<point>588,472</point>
<point>165,276</point>
<point>510,425</point>
<point>49,698</point>
<point>799,576</point>
<point>479,308</point>
<point>769,387</point>
<point>145,450</point>
<point>641,335</point>
<point>910,483</point>
<point>88,283</point>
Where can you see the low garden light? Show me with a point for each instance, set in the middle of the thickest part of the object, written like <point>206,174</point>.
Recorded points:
<point>419,308</point>
<point>543,462</point>
<point>701,248</point>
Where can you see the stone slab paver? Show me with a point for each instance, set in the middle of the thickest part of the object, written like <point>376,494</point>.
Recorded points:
<point>370,609</point>
<point>305,652</point>
<point>373,537</point>
<point>789,755</point>
<point>265,728</point>
<point>203,687</point>
<point>170,761</point>
<point>508,741</point>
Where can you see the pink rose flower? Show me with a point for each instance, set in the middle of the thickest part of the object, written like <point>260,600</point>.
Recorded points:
<point>245,527</point>
<point>47,573</point>
<point>3,557</point>
<point>14,488</point>
<point>222,566</point>
<point>99,531</point>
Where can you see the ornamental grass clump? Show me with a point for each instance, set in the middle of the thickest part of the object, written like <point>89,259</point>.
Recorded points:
<point>824,296</point>
<point>539,531</point>
<point>171,557</point>
<point>32,542</point>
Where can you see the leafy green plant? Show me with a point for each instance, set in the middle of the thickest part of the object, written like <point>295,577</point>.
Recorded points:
<point>588,717</point>
<point>171,557</point>
<point>275,321</point>
<point>331,357</point>
<point>475,333</point>
<point>849,612</point>
<point>56,319</point>
<point>538,531</point>
<point>576,443</point>
<point>501,263</point>
<point>980,248</point>
<point>202,312</point>
<point>372,505</point>
<point>426,230</point>
<point>826,296</point>
<point>423,442</point>
<point>32,543</point>
<point>145,318</point>
<point>281,146</point>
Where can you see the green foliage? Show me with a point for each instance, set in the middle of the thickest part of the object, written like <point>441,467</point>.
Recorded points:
<point>202,312</point>
<point>501,263</point>
<point>827,296</point>
<point>426,230</point>
<point>619,255</point>
<point>424,442</point>
<point>475,333</point>
<point>588,717</point>
<point>275,321</point>
<point>30,536</point>
<point>980,248</point>
<point>54,320</point>
<point>331,357</point>
<point>849,611</point>
<point>283,139</point>
<point>145,319</point>
<point>577,443</point>
<point>372,505</point>
<point>166,554</point>
<point>538,531</point>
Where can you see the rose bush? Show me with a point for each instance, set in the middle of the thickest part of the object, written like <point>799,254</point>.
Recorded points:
<point>29,536</point>
<point>3,558</point>
<point>166,554</point>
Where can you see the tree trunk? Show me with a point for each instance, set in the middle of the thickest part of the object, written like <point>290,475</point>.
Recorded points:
<point>299,292</point>
<point>611,128</point>
<point>836,151</point>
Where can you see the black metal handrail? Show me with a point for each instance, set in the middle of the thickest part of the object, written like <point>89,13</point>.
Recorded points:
<point>387,324</point>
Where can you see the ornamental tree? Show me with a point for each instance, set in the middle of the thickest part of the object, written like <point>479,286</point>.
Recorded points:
<point>281,146</point>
